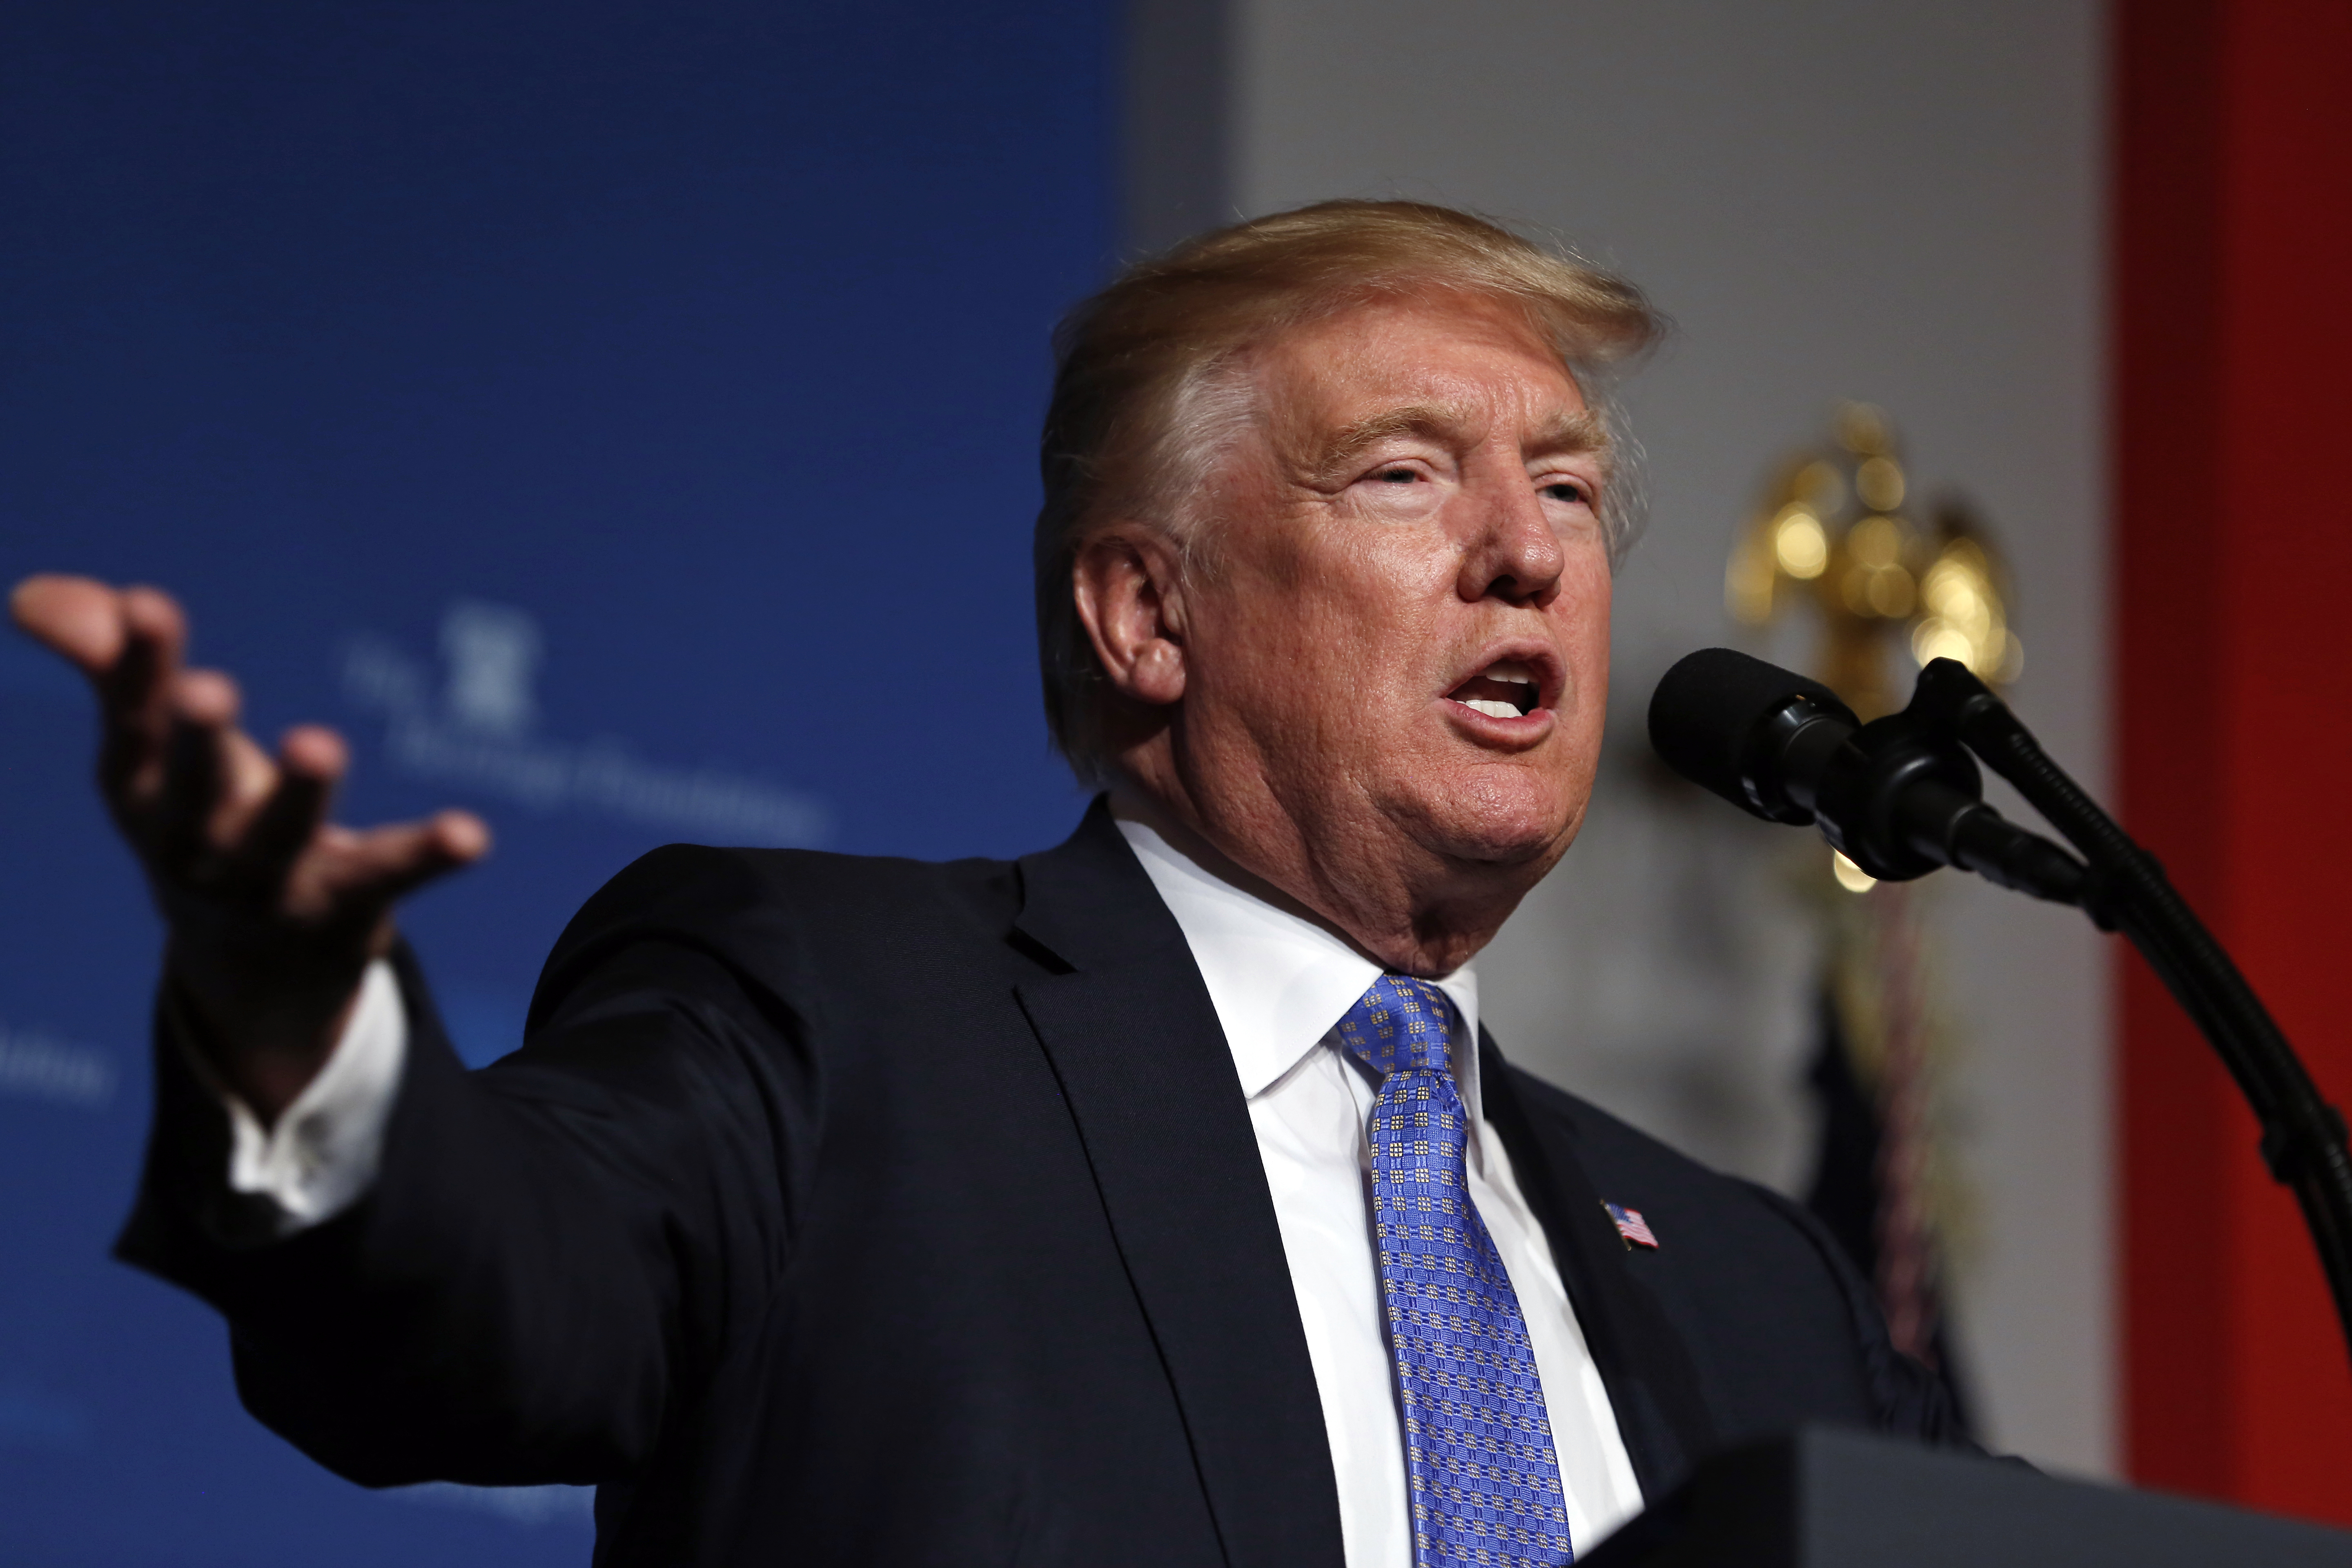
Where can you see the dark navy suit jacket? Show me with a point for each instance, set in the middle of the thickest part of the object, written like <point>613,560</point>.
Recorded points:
<point>842,1209</point>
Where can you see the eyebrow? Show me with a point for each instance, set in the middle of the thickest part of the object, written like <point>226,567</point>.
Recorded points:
<point>1581,432</point>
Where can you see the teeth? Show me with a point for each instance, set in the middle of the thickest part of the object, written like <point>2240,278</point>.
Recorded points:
<point>1512,671</point>
<point>1492,709</point>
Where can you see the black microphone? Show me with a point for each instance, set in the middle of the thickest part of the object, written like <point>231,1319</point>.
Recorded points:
<point>1898,796</point>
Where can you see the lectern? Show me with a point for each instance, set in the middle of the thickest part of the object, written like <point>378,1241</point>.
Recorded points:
<point>1825,1499</point>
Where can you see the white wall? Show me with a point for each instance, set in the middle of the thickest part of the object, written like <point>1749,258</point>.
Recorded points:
<point>1896,201</point>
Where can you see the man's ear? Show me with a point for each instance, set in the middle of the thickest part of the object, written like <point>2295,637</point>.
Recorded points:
<point>1130,595</point>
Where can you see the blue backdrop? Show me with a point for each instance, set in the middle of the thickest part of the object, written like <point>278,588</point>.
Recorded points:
<point>620,420</point>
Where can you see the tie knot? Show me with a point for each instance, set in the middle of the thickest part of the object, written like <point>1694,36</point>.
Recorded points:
<point>1401,1022</point>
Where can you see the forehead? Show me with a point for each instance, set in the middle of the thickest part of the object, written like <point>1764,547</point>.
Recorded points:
<point>1476,358</point>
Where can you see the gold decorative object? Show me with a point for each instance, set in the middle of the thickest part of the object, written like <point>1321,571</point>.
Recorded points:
<point>1836,529</point>
<point>1833,532</point>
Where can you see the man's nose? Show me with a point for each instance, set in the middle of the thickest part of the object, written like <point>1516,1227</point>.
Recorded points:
<point>1515,552</point>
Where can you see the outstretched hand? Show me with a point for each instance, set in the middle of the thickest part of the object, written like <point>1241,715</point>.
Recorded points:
<point>274,910</point>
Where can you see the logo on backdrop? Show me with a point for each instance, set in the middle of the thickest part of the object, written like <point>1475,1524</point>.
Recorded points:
<point>38,1065</point>
<point>517,1505</point>
<point>477,726</point>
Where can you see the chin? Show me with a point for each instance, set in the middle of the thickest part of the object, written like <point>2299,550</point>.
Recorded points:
<point>1512,822</point>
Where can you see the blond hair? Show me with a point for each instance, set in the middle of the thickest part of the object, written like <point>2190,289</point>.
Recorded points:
<point>1151,388</point>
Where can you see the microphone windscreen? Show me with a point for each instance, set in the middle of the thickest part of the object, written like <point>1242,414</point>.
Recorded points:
<point>1708,706</point>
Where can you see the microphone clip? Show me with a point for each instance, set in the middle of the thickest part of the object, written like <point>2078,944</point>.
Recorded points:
<point>1891,795</point>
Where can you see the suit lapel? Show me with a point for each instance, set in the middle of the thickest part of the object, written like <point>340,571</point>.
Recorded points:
<point>1136,1046</point>
<point>1654,1390</point>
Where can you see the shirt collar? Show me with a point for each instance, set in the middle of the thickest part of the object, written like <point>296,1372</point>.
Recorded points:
<point>1280,983</point>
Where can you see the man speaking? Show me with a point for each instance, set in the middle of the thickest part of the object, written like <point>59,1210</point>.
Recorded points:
<point>1152,1199</point>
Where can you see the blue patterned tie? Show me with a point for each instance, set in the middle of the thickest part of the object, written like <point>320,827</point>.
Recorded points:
<point>1477,1442</point>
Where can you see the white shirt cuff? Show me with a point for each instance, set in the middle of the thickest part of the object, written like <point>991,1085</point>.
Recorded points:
<point>322,1155</point>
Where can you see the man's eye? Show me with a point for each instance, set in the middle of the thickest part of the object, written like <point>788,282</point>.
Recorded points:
<point>1561,490</point>
<point>1397,476</point>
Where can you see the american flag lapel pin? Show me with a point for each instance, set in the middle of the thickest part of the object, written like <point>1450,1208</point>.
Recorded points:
<point>1631,1227</point>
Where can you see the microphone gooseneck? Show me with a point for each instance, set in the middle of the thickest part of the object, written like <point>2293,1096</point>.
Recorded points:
<point>1901,795</point>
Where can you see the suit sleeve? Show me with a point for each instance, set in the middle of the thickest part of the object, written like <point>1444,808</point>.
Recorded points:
<point>555,1248</point>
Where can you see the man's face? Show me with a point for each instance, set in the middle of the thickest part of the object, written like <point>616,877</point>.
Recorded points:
<point>1400,643</point>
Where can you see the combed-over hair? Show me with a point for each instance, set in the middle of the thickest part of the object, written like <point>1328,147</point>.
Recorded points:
<point>1151,386</point>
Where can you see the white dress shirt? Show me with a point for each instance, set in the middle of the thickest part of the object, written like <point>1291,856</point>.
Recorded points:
<point>1280,985</point>
<point>321,1155</point>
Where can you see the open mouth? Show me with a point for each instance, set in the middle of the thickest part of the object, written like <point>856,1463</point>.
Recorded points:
<point>1504,689</point>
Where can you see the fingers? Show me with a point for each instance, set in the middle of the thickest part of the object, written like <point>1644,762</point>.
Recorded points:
<point>129,643</point>
<point>181,775</point>
<point>416,853</point>
<point>311,763</point>
<point>77,616</point>
<point>135,690</point>
<point>353,873</point>
<point>387,864</point>
<point>151,639</point>
<point>199,771</point>
<point>196,792</point>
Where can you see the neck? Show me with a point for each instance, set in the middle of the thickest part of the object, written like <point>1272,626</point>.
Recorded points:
<point>1403,908</point>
